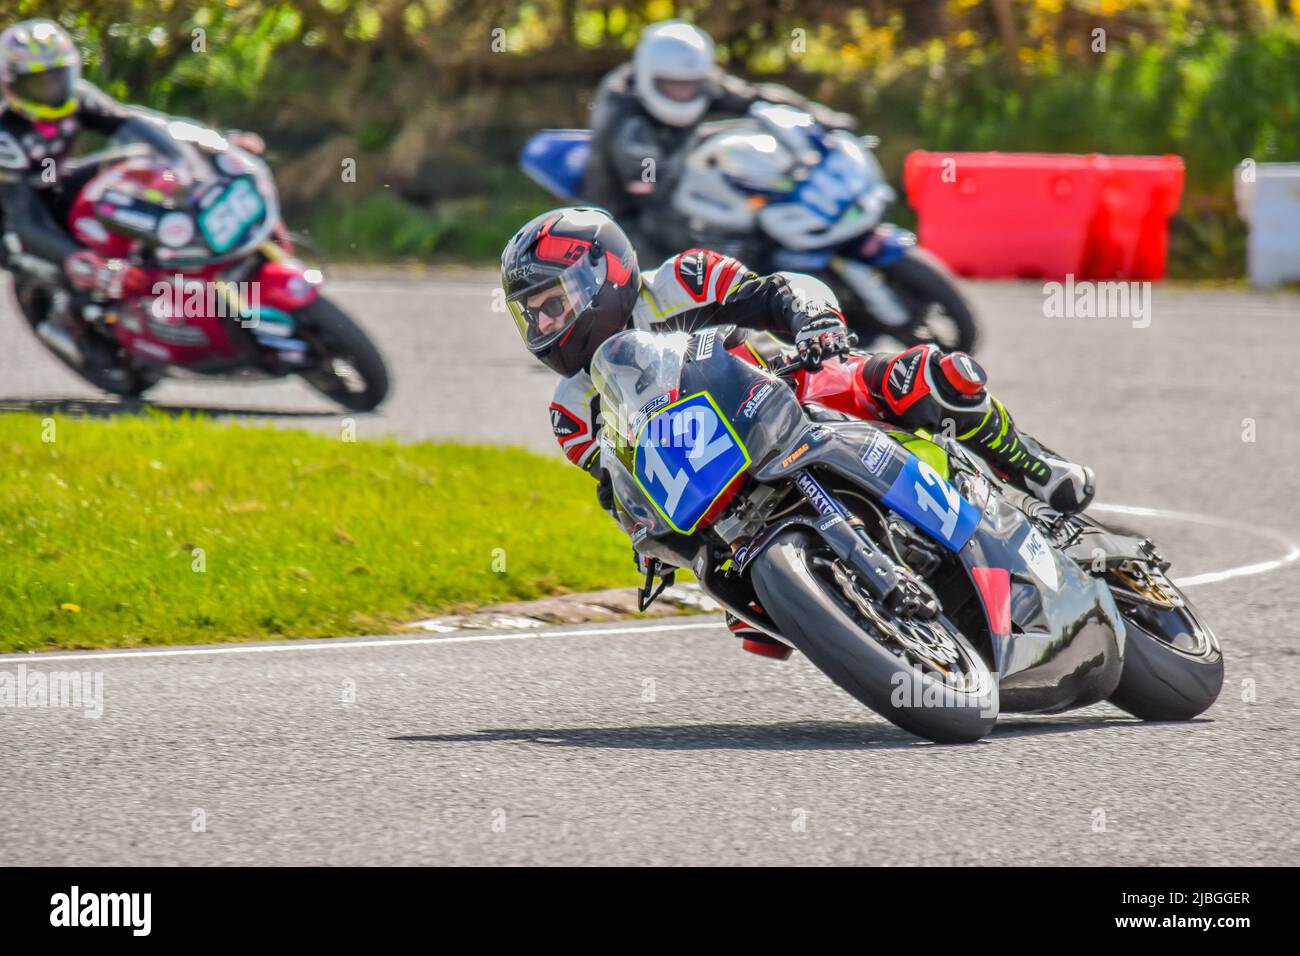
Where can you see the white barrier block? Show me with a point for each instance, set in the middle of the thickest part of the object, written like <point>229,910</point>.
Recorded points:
<point>1268,199</point>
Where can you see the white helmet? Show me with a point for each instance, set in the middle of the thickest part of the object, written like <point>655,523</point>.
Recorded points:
<point>673,72</point>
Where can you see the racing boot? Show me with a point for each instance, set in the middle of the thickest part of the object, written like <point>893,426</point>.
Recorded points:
<point>1067,487</point>
<point>1061,484</point>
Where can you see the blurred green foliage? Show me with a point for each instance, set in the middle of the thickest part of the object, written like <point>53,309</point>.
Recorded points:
<point>433,98</point>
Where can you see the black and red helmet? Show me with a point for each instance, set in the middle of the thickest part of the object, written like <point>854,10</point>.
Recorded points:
<point>571,279</point>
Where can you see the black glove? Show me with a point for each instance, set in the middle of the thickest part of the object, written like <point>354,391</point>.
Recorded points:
<point>822,338</point>
<point>604,488</point>
<point>832,119</point>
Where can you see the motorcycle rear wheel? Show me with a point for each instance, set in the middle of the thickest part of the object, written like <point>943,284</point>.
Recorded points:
<point>1173,667</point>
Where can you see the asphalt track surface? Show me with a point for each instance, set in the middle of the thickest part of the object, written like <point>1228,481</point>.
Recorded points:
<point>665,743</point>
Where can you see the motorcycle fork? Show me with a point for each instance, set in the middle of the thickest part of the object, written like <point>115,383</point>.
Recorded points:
<point>843,532</point>
<point>868,283</point>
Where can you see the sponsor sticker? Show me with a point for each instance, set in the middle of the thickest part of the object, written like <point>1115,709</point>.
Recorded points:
<point>814,493</point>
<point>1038,555</point>
<point>175,229</point>
<point>704,344</point>
<point>757,396</point>
<point>876,456</point>
<point>794,455</point>
<point>233,164</point>
<point>90,230</point>
<point>648,409</point>
<point>133,219</point>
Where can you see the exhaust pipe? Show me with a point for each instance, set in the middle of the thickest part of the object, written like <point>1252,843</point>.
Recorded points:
<point>61,341</point>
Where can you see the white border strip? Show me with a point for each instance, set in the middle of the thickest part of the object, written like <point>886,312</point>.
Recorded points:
<point>342,643</point>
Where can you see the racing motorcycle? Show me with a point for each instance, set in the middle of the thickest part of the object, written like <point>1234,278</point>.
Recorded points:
<point>217,290</point>
<point>898,562</point>
<point>780,192</point>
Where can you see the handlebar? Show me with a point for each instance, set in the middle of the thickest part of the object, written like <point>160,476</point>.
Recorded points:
<point>110,154</point>
<point>788,369</point>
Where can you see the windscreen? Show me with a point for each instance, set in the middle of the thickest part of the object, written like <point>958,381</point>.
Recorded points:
<point>636,372</point>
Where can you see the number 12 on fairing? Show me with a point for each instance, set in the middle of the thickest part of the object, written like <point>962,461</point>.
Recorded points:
<point>686,456</point>
<point>925,498</point>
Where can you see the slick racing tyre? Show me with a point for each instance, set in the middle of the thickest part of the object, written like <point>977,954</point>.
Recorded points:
<point>351,370</point>
<point>923,676</point>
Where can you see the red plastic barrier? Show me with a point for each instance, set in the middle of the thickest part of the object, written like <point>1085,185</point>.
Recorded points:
<point>1002,215</point>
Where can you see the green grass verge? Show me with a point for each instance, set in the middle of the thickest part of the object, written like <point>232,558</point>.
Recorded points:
<point>301,534</point>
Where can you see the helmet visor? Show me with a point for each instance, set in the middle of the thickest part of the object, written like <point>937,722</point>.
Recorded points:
<point>546,311</point>
<point>680,91</point>
<point>46,88</point>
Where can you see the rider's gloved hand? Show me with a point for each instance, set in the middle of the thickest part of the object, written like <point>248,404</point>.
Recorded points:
<point>102,278</point>
<point>836,120</point>
<point>604,488</point>
<point>247,141</point>
<point>821,338</point>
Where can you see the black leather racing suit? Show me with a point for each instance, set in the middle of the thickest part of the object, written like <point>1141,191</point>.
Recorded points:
<point>624,136</point>
<point>919,387</point>
<point>35,192</point>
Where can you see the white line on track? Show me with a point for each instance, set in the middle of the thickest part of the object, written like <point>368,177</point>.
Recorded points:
<point>331,644</point>
<point>1262,567</point>
<point>1292,552</point>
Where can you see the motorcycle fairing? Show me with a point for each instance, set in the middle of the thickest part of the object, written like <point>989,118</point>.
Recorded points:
<point>1054,648</point>
<point>687,457</point>
<point>885,245</point>
<point>231,214</point>
<point>556,159</point>
<point>925,498</point>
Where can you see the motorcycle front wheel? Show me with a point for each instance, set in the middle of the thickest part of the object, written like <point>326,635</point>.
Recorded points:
<point>923,676</point>
<point>350,371</point>
<point>938,310</point>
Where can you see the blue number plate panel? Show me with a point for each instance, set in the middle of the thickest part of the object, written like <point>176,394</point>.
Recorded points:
<point>925,498</point>
<point>687,454</point>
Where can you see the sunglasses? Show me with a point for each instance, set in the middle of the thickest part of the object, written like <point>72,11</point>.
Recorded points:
<point>552,308</point>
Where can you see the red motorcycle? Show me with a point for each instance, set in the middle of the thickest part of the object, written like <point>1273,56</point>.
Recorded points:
<point>216,289</point>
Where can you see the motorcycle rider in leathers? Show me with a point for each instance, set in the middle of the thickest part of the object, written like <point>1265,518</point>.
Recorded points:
<point>643,116</point>
<point>571,281</point>
<point>46,105</point>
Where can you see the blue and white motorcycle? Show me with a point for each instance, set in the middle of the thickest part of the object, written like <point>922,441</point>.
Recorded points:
<point>780,192</point>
